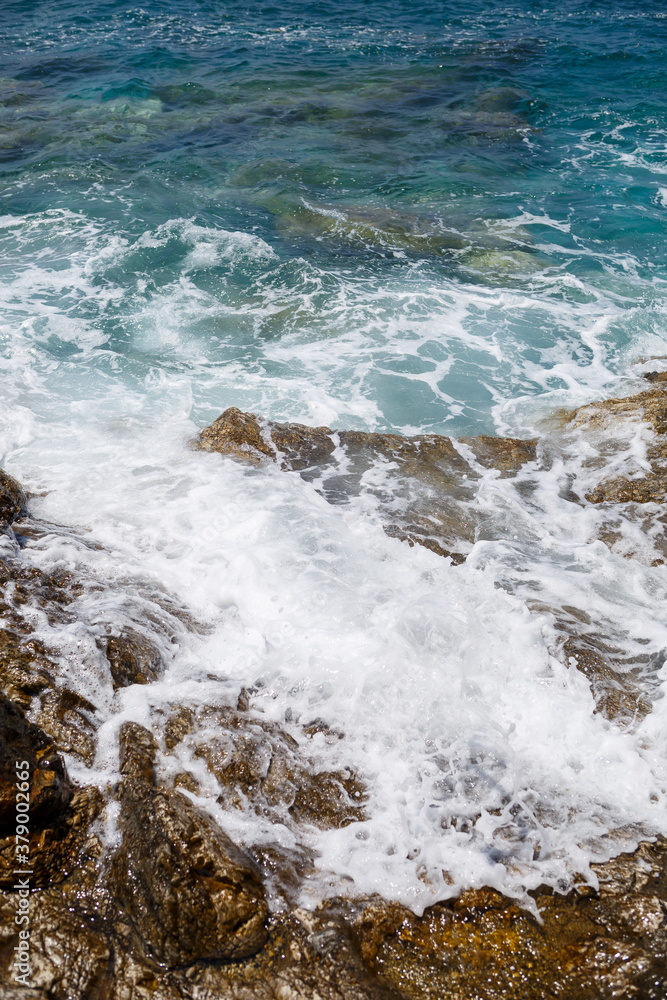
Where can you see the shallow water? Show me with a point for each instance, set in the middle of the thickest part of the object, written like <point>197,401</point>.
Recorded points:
<point>386,217</point>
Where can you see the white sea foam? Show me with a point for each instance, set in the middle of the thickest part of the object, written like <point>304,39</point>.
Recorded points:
<point>484,758</point>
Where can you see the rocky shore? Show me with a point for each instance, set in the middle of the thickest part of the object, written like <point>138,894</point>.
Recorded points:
<point>168,906</point>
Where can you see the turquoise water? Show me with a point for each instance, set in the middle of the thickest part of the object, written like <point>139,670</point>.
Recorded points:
<point>388,216</point>
<point>443,210</point>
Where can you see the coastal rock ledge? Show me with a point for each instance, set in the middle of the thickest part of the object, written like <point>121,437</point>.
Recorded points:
<point>170,907</point>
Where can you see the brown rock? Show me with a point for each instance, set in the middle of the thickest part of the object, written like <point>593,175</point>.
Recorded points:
<point>22,741</point>
<point>25,670</point>
<point>70,719</point>
<point>649,489</point>
<point>12,498</point>
<point>257,762</point>
<point>607,944</point>
<point>189,892</point>
<point>621,677</point>
<point>133,658</point>
<point>606,420</point>
<point>55,842</point>
<point>432,477</point>
<point>178,725</point>
<point>238,434</point>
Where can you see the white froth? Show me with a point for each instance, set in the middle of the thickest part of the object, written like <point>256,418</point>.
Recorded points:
<point>484,758</point>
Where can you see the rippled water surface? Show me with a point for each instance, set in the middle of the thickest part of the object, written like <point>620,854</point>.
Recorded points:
<point>386,216</point>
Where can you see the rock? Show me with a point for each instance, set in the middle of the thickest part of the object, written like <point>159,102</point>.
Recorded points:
<point>133,658</point>
<point>25,670</point>
<point>618,692</point>
<point>257,762</point>
<point>243,436</point>
<point>608,424</point>
<point>607,944</point>
<point>34,673</point>
<point>611,943</point>
<point>20,740</point>
<point>56,842</point>
<point>70,719</point>
<point>435,477</point>
<point>12,498</point>
<point>178,725</point>
<point>620,678</point>
<point>189,892</point>
<point>178,910</point>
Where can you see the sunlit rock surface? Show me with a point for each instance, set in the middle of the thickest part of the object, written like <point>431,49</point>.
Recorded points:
<point>188,890</point>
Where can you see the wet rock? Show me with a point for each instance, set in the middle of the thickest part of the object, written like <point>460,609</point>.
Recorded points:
<point>610,943</point>
<point>56,842</point>
<point>188,890</point>
<point>623,677</point>
<point>608,424</point>
<point>618,692</point>
<point>12,498</point>
<point>44,674</point>
<point>25,670</point>
<point>309,956</point>
<point>178,725</point>
<point>133,658</point>
<point>70,719</point>
<point>330,799</point>
<point>648,489</point>
<point>242,435</point>
<point>257,762</point>
<point>20,740</point>
<point>433,476</point>
<point>27,666</point>
<point>179,911</point>
<point>238,434</point>
<point>607,944</point>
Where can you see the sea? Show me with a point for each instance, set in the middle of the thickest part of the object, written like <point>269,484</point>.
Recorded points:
<point>392,216</point>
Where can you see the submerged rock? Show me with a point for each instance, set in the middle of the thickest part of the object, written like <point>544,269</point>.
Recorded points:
<point>375,228</point>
